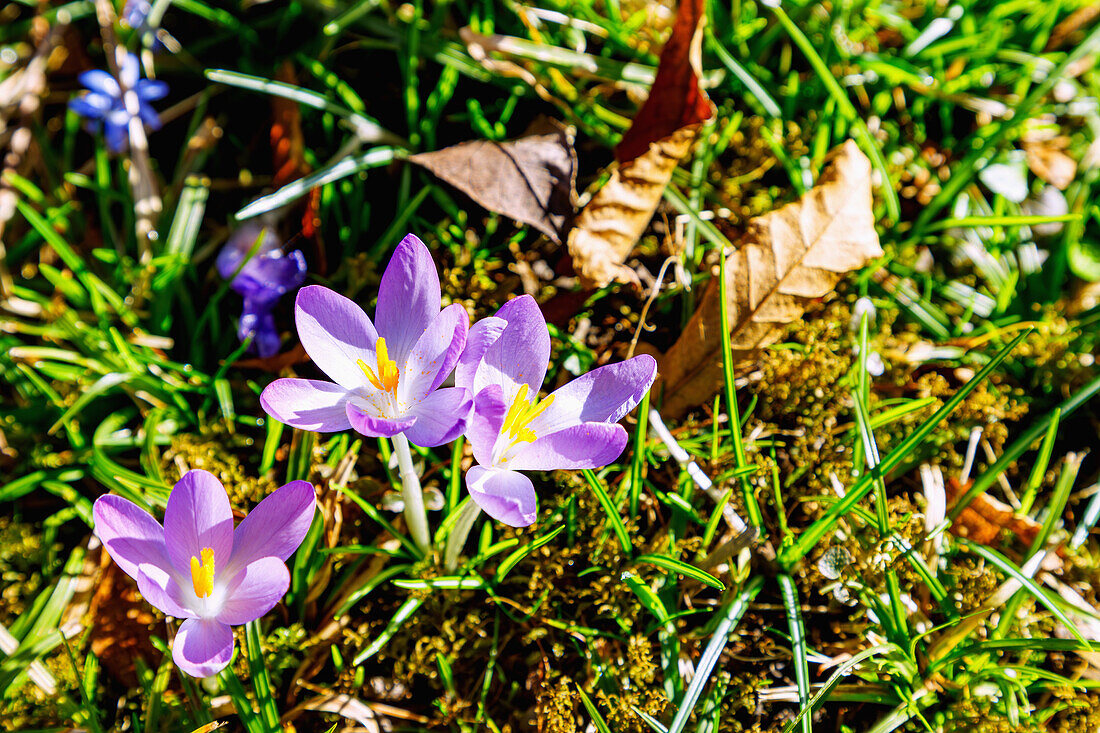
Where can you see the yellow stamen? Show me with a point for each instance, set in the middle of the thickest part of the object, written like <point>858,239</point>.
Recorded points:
<point>202,573</point>
<point>388,374</point>
<point>520,415</point>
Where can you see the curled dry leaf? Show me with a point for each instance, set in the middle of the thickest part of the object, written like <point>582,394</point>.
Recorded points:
<point>662,134</point>
<point>786,260</point>
<point>1051,165</point>
<point>985,519</point>
<point>530,179</point>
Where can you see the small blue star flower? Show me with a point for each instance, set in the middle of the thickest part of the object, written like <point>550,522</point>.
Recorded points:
<point>111,103</point>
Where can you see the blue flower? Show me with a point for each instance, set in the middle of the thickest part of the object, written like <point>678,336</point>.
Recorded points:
<point>135,12</point>
<point>111,105</point>
<point>266,276</point>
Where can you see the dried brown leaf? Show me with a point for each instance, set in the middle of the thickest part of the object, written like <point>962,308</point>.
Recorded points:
<point>609,226</point>
<point>786,260</point>
<point>530,179</point>
<point>661,135</point>
<point>1051,165</point>
<point>985,519</point>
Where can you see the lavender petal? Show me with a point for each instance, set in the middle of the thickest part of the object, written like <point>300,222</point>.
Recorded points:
<point>435,354</point>
<point>376,427</point>
<point>589,445</point>
<point>254,591</point>
<point>440,417</point>
<point>602,395</point>
<point>506,496</point>
<point>276,527</point>
<point>408,297</point>
<point>203,647</point>
<point>161,588</point>
<point>130,534</point>
<point>336,333</point>
<point>307,404</point>
<point>198,516</point>
<point>485,422</point>
<point>480,337</point>
<point>520,354</point>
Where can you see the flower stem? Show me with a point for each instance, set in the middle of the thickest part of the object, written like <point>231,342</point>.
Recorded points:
<point>456,540</point>
<point>415,515</point>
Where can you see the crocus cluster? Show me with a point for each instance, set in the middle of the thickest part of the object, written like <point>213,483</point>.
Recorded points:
<point>266,275</point>
<point>388,377</point>
<point>197,567</point>
<point>110,103</point>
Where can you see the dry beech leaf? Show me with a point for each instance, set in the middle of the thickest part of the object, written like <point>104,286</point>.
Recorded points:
<point>985,518</point>
<point>529,179</point>
<point>662,134</point>
<point>1051,165</point>
<point>786,260</point>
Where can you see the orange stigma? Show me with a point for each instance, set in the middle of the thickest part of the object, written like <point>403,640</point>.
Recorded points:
<point>202,573</point>
<point>388,373</point>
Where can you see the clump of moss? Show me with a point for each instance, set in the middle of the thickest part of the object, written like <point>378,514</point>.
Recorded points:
<point>23,556</point>
<point>215,449</point>
<point>973,714</point>
<point>969,582</point>
<point>1081,713</point>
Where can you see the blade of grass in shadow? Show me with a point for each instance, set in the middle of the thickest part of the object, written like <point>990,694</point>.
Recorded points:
<point>609,509</point>
<point>731,615</point>
<point>798,647</point>
<point>261,683</point>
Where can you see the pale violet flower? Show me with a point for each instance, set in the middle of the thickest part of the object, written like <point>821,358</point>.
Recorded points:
<point>387,374</point>
<point>196,567</point>
<point>512,430</point>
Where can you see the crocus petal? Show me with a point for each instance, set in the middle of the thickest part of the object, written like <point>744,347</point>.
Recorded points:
<point>408,297</point>
<point>602,395</point>
<point>130,71</point>
<point>129,533</point>
<point>520,354</point>
<point>240,243</point>
<point>267,277</point>
<point>506,496</point>
<point>376,427</point>
<point>440,417</point>
<point>435,354</point>
<point>203,647</point>
<point>149,89</point>
<point>276,527</point>
<point>198,515</point>
<point>336,333</point>
<point>481,336</point>
<point>161,588</point>
<point>255,591</point>
<point>259,322</point>
<point>589,445</point>
<point>307,404</point>
<point>100,81</point>
<point>483,427</point>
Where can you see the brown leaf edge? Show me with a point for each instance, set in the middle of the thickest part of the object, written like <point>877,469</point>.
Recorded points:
<point>785,261</point>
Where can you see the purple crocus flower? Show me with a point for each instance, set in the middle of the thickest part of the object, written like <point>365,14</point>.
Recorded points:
<point>266,276</point>
<point>198,568</point>
<point>111,103</point>
<point>387,378</point>
<point>512,430</point>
